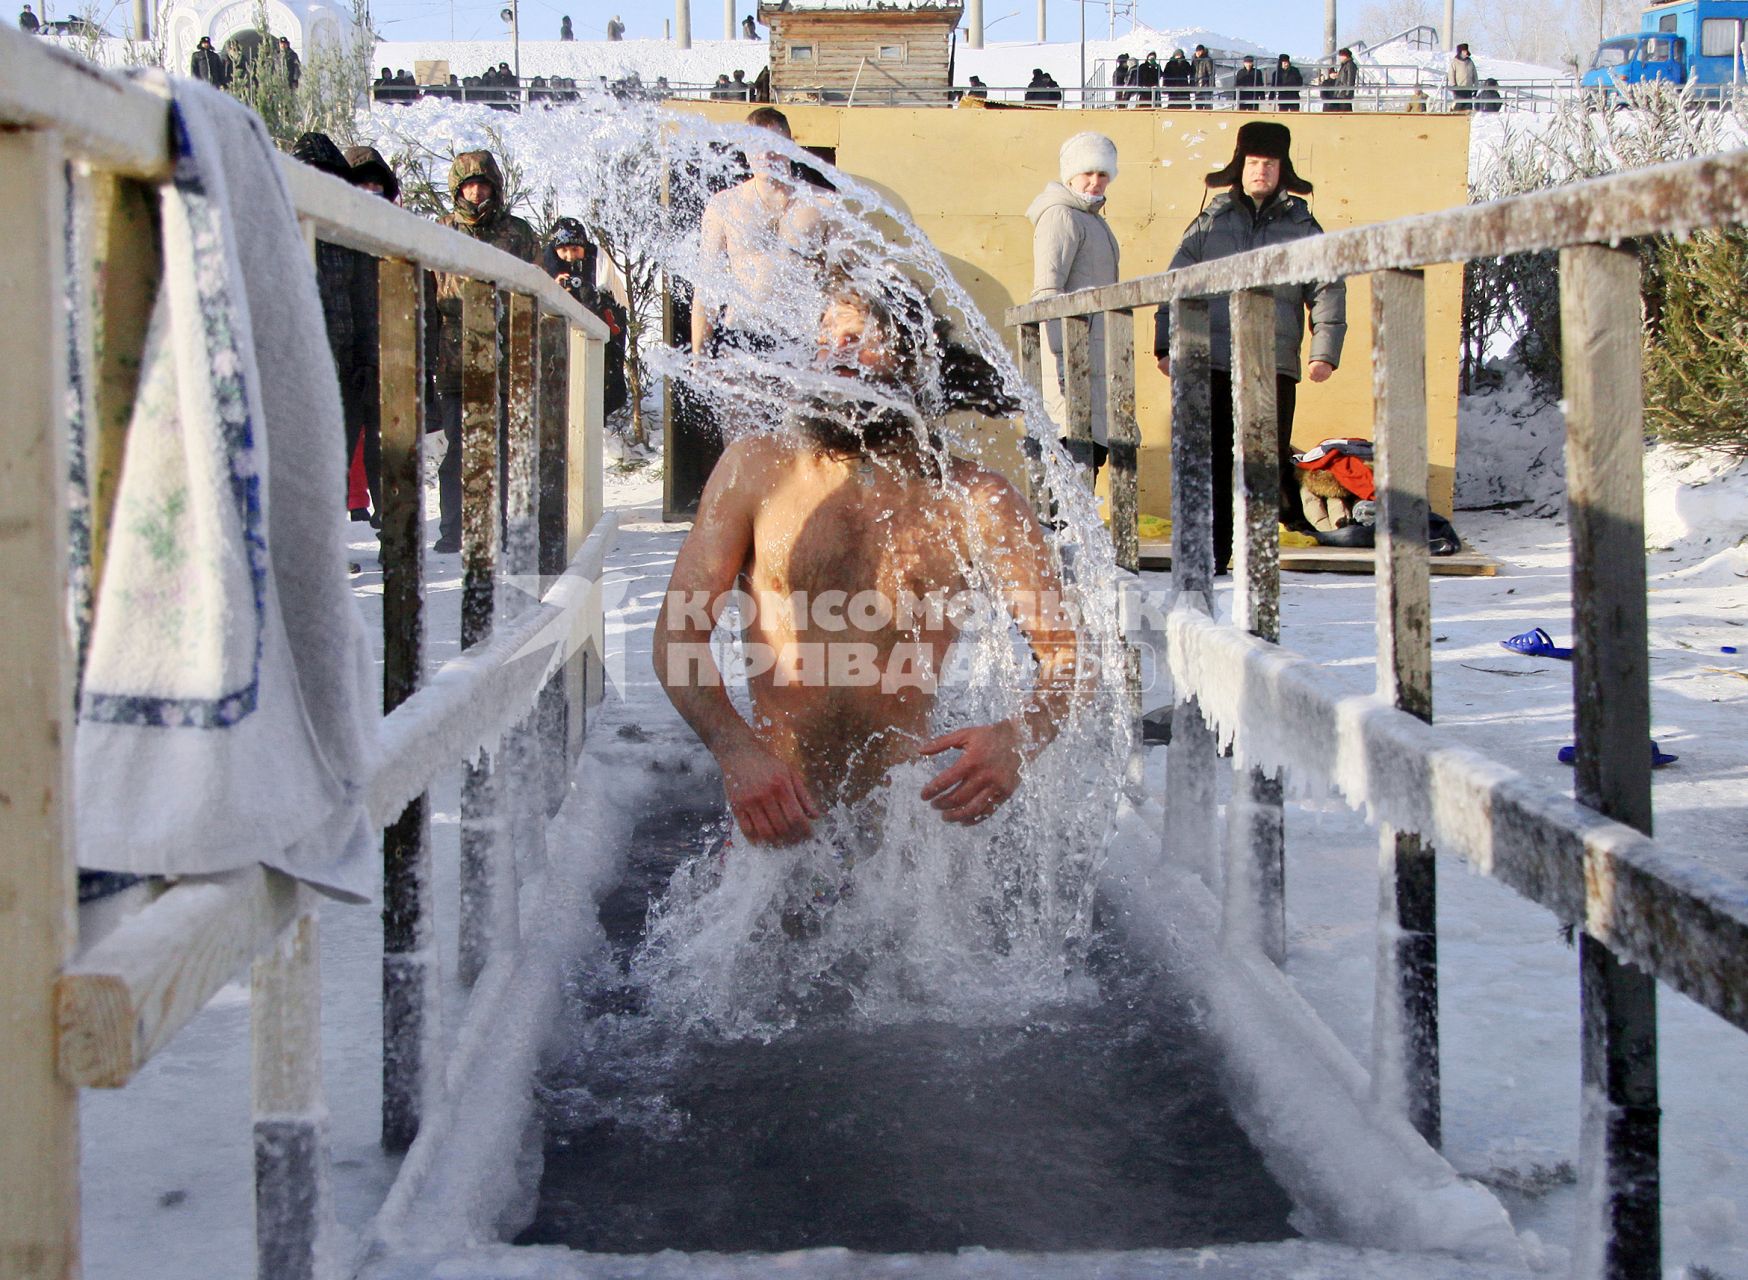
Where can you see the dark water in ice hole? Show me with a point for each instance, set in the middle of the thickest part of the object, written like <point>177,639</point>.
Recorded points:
<point>1100,1126</point>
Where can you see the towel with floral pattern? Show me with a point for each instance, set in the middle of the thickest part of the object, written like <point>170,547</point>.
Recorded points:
<point>224,710</point>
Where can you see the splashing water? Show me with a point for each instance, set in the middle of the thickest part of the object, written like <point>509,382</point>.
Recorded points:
<point>888,913</point>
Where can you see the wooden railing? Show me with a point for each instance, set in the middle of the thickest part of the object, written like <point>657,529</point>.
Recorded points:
<point>82,1012</point>
<point>1644,914</point>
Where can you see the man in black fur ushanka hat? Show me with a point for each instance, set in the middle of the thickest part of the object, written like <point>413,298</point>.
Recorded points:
<point>1260,203</point>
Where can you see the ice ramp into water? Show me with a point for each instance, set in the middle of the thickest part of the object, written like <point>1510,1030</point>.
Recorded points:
<point>1291,1260</point>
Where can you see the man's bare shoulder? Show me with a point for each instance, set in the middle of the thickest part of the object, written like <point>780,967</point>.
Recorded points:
<point>989,489</point>
<point>755,461</point>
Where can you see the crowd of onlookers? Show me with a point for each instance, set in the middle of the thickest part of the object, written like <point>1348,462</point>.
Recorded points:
<point>499,87</point>
<point>347,282</point>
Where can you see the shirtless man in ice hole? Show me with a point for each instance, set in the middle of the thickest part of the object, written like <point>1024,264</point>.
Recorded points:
<point>822,511</point>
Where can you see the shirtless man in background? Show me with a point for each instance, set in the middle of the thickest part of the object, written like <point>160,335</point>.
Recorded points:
<point>853,520</point>
<point>761,234</point>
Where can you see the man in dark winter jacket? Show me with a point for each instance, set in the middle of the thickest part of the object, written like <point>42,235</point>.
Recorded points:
<point>1249,82</point>
<point>476,192</point>
<point>1147,77</point>
<point>368,171</point>
<point>1120,74</point>
<point>1338,82</point>
<point>1175,76</point>
<point>27,21</point>
<point>1286,80</point>
<point>346,281</point>
<point>1260,206</point>
<point>293,64</point>
<point>1202,77</point>
<point>209,64</point>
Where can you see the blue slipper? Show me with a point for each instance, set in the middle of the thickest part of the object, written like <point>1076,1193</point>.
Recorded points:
<point>1659,758</point>
<point>1536,644</point>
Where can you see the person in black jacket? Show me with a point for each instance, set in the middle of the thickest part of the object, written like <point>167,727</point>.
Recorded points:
<point>209,64</point>
<point>1120,75</point>
<point>569,258</point>
<point>1202,76</point>
<point>1175,76</point>
<point>1261,205</point>
<point>27,21</point>
<point>1286,80</point>
<point>565,30</point>
<point>1249,82</point>
<point>1146,77</point>
<point>293,64</point>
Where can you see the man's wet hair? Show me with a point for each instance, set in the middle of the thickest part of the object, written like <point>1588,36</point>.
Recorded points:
<point>935,374</point>
<point>770,118</point>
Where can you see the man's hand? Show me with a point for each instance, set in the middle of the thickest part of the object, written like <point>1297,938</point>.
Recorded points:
<point>1320,371</point>
<point>768,798</point>
<point>987,773</point>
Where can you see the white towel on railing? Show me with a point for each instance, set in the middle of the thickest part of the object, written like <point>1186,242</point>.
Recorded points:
<point>225,710</point>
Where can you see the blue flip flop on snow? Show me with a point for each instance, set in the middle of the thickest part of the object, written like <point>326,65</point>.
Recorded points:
<point>1536,644</point>
<point>1659,757</point>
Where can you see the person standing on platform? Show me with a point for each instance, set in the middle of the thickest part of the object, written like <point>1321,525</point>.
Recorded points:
<point>565,30</point>
<point>27,21</point>
<point>1176,76</point>
<point>1286,80</point>
<point>1339,81</point>
<point>1462,79</point>
<point>1249,82</point>
<point>1147,77</point>
<point>1261,205</point>
<point>1073,247</point>
<point>615,28</point>
<point>747,30</point>
<point>1202,76</point>
<point>1120,74</point>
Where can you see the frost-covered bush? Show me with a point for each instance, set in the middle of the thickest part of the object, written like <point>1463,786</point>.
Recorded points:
<point>1518,297</point>
<point>335,79</point>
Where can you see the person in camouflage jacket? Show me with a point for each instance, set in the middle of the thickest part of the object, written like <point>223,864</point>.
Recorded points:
<point>476,193</point>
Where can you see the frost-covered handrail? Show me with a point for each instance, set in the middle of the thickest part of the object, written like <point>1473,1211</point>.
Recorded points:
<point>1671,917</point>
<point>1667,199</point>
<point>1643,913</point>
<point>124,128</point>
<point>530,399</point>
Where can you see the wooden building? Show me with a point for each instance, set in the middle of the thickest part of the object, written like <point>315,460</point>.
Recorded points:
<point>883,52</point>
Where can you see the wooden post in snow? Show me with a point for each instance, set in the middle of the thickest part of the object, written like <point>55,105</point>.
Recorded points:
<point>1405,1052</point>
<point>1191,755</point>
<point>39,1141</point>
<point>409,960</point>
<point>554,442</point>
<point>294,1210</point>
<point>524,784</point>
<point>1077,383</point>
<point>1254,900</point>
<point>479,560</point>
<point>1619,1235</point>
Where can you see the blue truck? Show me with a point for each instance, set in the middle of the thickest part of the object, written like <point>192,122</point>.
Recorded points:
<point>1696,42</point>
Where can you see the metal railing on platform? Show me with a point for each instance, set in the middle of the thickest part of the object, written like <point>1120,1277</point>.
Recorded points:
<point>91,1015</point>
<point>1644,913</point>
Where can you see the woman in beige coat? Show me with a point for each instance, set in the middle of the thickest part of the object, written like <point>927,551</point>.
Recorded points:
<point>1074,248</point>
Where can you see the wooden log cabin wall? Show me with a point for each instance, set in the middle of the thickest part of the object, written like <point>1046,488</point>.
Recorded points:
<point>895,55</point>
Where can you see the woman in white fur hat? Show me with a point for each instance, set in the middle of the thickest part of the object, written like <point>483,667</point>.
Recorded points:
<point>1074,248</point>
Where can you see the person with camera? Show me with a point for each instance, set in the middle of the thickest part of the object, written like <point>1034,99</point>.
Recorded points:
<point>570,259</point>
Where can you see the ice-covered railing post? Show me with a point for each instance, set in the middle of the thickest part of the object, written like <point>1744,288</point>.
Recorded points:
<point>1254,902</point>
<point>1405,1069</point>
<point>1611,695</point>
<point>83,1008</point>
<point>1645,913</point>
<point>1191,758</point>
